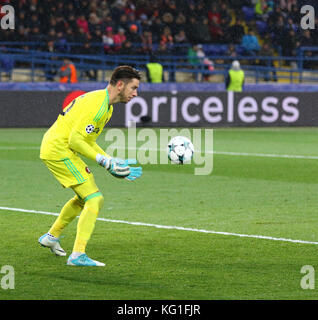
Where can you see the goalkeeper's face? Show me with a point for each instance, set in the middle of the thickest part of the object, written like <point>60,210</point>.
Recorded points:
<point>129,90</point>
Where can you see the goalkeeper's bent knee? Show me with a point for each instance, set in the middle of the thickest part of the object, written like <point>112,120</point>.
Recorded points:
<point>94,201</point>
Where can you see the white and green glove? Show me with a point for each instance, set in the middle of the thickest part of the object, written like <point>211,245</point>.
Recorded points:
<point>120,168</point>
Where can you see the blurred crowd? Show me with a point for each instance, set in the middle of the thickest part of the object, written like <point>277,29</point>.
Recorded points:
<point>141,26</point>
<point>122,25</point>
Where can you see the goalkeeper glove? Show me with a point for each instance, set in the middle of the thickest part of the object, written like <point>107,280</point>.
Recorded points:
<point>120,168</point>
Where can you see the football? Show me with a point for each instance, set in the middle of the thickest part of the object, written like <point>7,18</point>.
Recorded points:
<point>180,150</point>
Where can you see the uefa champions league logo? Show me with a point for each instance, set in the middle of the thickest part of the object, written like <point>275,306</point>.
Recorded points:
<point>7,17</point>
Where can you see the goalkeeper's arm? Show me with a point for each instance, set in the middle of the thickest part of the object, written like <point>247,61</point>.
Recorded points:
<point>117,167</point>
<point>78,144</point>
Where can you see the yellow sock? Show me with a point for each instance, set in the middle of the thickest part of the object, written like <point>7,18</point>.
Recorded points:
<point>70,210</point>
<point>86,222</point>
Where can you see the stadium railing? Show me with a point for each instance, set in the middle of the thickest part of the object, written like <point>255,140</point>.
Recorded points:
<point>35,63</point>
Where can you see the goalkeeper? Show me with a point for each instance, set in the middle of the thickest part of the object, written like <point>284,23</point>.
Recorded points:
<point>74,133</point>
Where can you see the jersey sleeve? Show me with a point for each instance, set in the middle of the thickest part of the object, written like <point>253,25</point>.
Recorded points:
<point>84,133</point>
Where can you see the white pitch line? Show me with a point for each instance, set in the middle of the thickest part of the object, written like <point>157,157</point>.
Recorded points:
<point>228,153</point>
<point>225,153</point>
<point>171,227</point>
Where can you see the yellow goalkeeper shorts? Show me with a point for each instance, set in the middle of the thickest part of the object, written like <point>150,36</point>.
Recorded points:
<point>69,171</point>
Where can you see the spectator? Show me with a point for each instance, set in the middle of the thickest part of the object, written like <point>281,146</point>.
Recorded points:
<point>167,38</point>
<point>144,23</point>
<point>181,43</point>
<point>200,11</point>
<point>203,30</point>
<point>51,35</point>
<point>154,70</point>
<point>291,25</point>
<point>191,31</point>
<point>235,78</point>
<point>108,40</point>
<point>67,72</point>
<point>289,44</point>
<point>82,23</point>
<point>133,21</point>
<point>34,22</point>
<point>69,36</point>
<point>35,35</point>
<point>307,41</point>
<point>156,29</point>
<point>171,8</point>
<point>50,71</point>
<point>225,15</point>
<point>287,5</point>
<point>60,24</point>
<point>250,43</point>
<point>180,23</point>
<point>295,13</point>
<point>133,35</point>
<point>93,22</point>
<point>191,9</point>
<point>80,37</point>
<point>107,22</point>
<point>130,7</point>
<point>102,10</point>
<point>21,35</point>
<point>123,22</point>
<point>71,22</point>
<point>206,62</point>
<point>262,9</point>
<point>90,73</point>
<point>61,44</point>
<point>97,36</point>
<point>146,42</point>
<point>127,48</point>
<point>181,37</point>
<point>117,10</point>
<point>215,24</point>
<point>274,16</point>
<point>267,51</point>
<point>119,38</point>
<point>231,52</point>
<point>279,31</point>
<point>193,57</point>
<point>168,20</point>
<point>68,11</point>
<point>235,32</point>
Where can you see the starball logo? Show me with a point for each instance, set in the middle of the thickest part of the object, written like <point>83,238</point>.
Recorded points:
<point>7,20</point>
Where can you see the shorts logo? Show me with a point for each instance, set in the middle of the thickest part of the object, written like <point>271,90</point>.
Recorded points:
<point>87,170</point>
<point>89,129</point>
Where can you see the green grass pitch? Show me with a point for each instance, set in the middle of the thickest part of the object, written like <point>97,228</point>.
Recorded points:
<point>251,194</point>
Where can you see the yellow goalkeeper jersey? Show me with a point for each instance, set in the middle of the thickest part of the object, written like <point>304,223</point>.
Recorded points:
<point>83,118</point>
